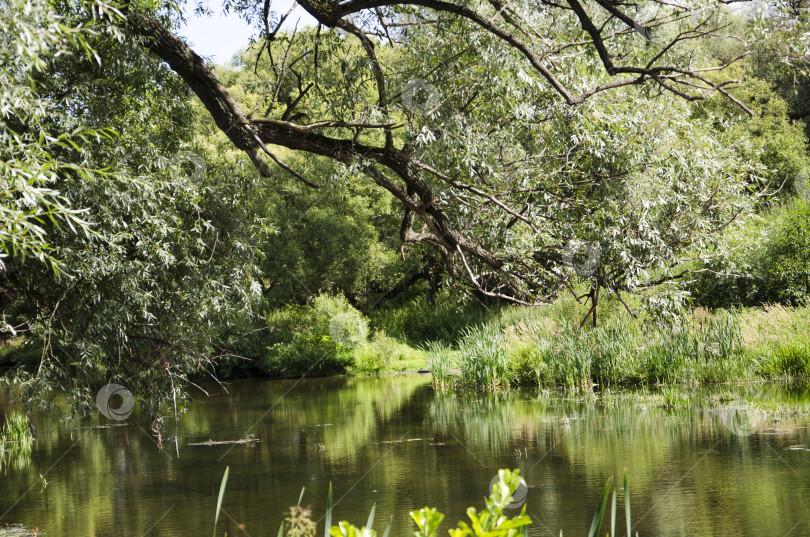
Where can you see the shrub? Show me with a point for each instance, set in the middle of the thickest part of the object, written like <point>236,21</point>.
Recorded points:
<point>775,271</point>
<point>314,340</point>
<point>418,321</point>
<point>376,355</point>
<point>784,262</point>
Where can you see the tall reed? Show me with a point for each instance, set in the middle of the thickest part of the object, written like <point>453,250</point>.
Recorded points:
<point>483,361</point>
<point>440,362</point>
<point>16,441</point>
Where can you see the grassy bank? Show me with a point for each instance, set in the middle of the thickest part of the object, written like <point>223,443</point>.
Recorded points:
<point>545,348</point>
<point>542,346</point>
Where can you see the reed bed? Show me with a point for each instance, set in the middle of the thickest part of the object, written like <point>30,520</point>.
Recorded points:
<point>482,356</point>
<point>724,346</point>
<point>16,440</point>
<point>439,358</point>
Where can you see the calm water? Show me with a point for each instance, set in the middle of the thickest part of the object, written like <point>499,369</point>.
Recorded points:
<point>393,441</point>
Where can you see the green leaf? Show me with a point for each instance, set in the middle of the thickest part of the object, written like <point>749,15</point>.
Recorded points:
<point>371,516</point>
<point>328,511</point>
<point>221,495</point>
<point>627,506</point>
<point>596,525</point>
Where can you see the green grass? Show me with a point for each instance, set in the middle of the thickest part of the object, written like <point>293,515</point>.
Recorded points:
<point>547,348</point>
<point>15,428</point>
<point>16,440</point>
<point>439,357</point>
<point>384,354</point>
<point>482,357</point>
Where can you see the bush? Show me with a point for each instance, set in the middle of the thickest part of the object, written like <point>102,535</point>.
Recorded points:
<point>314,340</point>
<point>784,263</point>
<point>418,321</point>
<point>376,355</point>
<point>776,271</point>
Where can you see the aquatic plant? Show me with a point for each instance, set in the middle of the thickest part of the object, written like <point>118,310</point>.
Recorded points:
<point>596,524</point>
<point>16,429</point>
<point>482,357</point>
<point>440,362</point>
<point>219,498</point>
<point>490,522</point>
<point>16,441</point>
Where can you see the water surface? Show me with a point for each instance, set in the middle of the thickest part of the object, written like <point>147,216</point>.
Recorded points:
<point>394,442</point>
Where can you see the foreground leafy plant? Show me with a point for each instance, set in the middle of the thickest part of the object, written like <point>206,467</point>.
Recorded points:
<point>491,522</point>
<point>219,498</point>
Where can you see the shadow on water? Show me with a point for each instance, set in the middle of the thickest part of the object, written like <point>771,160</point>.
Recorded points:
<point>724,461</point>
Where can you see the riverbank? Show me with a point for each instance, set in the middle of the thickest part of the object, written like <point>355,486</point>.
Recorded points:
<point>532,348</point>
<point>543,346</point>
<point>546,346</point>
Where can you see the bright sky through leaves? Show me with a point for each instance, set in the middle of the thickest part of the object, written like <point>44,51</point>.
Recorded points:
<point>219,37</point>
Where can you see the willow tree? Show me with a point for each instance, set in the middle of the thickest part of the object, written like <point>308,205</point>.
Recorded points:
<point>530,143</point>
<point>120,265</point>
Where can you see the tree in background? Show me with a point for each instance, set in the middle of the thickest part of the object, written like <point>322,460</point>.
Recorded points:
<point>504,131</point>
<point>514,152</point>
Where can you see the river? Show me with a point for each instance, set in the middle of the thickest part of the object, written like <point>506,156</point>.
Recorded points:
<point>693,468</point>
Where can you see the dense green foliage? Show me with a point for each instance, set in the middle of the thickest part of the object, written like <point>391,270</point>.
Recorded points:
<point>140,246</point>
<point>770,263</point>
<point>544,349</point>
<point>31,201</point>
<point>163,260</point>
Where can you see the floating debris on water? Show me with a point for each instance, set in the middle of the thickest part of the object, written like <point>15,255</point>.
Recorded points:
<point>247,440</point>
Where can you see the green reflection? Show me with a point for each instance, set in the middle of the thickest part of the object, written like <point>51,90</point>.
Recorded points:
<point>730,460</point>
